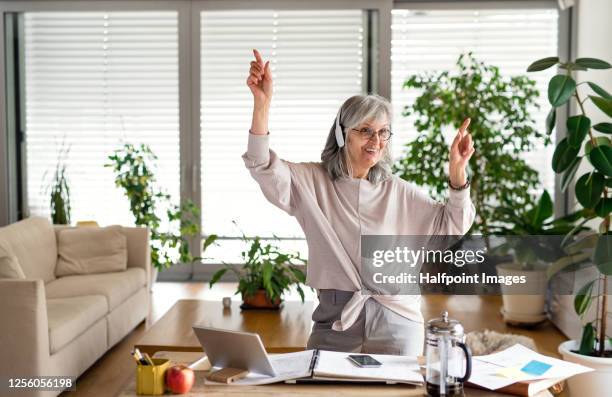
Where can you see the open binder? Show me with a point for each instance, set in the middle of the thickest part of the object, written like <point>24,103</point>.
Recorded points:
<point>323,365</point>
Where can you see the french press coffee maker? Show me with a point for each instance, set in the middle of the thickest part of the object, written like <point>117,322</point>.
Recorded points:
<point>446,354</point>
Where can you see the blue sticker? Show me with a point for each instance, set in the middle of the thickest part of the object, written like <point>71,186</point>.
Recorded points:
<point>536,368</point>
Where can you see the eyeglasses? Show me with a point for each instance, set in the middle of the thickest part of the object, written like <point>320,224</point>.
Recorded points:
<point>368,133</point>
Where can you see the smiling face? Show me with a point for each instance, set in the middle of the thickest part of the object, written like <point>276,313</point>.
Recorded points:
<point>364,153</point>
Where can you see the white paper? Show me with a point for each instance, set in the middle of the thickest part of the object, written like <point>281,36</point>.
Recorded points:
<point>485,374</point>
<point>287,366</point>
<point>336,365</point>
<point>485,368</point>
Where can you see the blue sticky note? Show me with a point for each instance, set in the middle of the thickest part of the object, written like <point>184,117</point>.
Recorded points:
<point>535,367</point>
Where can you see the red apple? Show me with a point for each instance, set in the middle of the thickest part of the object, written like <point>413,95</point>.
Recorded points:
<point>179,379</point>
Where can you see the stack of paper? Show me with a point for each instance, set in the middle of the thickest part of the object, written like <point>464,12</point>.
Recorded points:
<point>521,371</point>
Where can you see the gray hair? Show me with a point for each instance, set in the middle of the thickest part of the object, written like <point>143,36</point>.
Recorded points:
<point>353,112</point>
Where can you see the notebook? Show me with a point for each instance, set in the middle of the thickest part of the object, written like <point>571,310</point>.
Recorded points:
<point>323,365</point>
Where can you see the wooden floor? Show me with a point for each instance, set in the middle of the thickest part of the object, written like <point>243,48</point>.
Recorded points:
<point>109,374</point>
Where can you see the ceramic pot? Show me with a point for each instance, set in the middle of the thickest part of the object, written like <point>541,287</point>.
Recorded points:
<point>593,383</point>
<point>260,301</point>
<point>524,308</point>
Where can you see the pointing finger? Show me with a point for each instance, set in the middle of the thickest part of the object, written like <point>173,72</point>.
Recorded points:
<point>258,57</point>
<point>465,124</point>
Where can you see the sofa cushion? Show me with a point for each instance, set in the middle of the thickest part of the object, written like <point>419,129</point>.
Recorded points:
<point>70,317</point>
<point>33,242</point>
<point>91,250</point>
<point>115,287</point>
<point>9,264</point>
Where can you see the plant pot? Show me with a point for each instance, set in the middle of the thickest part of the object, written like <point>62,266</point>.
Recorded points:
<point>260,301</point>
<point>154,273</point>
<point>593,383</point>
<point>523,309</point>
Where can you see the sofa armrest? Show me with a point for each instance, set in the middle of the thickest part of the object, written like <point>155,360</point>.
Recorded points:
<point>139,249</point>
<point>24,328</point>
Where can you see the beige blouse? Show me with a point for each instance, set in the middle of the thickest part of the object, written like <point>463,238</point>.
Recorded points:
<point>334,215</point>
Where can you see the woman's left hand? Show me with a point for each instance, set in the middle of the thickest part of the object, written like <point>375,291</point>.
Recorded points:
<point>461,151</point>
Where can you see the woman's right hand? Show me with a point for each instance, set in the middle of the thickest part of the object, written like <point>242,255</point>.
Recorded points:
<point>260,81</point>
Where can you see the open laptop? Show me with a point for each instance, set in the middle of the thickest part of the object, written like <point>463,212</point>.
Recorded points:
<point>234,349</point>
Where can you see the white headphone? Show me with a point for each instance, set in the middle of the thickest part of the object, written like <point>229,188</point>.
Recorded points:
<point>339,136</point>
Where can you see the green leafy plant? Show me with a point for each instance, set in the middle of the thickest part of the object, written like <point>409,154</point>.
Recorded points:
<point>134,173</point>
<point>265,267</point>
<point>542,234</point>
<point>502,128</point>
<point>59,191</point>
<point>591,188</point>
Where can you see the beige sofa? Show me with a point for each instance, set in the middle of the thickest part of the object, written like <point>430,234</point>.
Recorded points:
<point>61,326</point>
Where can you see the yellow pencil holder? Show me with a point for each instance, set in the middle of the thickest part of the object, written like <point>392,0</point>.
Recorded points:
<point>150,378</point>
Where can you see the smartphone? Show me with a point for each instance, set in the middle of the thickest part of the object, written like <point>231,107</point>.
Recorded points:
<point>364,361</point>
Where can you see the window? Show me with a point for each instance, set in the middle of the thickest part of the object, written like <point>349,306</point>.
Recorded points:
<point>93,81</point>
<point>317,59</point>
<point>510,39</point>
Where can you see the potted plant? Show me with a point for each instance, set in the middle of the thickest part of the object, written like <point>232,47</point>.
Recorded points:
<point>59,197</point>
<point>534,240</point>
<point>265,276</point>
<point>134,172</point>
<point>496,170</point>
<point>592,193</point>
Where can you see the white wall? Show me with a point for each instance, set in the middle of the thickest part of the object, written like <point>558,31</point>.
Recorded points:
<point>593,40</point>
<point>594,33</point>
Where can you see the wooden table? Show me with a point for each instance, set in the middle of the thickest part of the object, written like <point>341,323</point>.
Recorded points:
<point>287,390</point>
<point>281,331</point>
<point>288,330</point>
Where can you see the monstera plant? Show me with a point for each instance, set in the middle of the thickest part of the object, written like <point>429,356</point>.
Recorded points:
<point>588,149</point>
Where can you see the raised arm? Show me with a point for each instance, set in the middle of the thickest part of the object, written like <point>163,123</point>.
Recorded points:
<point>456,216</point>
<point>260,84</point>
<point>460,152</point>
<point>271,173</point>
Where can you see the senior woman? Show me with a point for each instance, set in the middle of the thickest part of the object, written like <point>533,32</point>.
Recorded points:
<point>350,193</point>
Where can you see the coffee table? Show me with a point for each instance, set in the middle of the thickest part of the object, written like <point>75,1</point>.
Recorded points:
<point>281,331</point>
<point>310,390</point>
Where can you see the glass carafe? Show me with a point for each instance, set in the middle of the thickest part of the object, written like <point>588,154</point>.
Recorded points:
<point>449,361</point>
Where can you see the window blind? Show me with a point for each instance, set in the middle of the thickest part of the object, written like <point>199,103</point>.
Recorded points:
<point>316,59</point>
<point>431,40</point>
<point>93,81</point>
